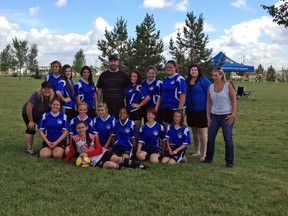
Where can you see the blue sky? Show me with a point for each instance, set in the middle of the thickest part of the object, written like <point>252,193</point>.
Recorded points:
<point>240,28</point>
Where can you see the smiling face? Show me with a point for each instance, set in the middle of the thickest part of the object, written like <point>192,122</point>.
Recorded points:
<point>170,69</point>
<point>102,111</point>
<point>194,72</point>
<point>55,106</point>
<point>151,74</point>
<point>113,65</point>
<point>123,115</point>
<point>68,73</point>
<point>86,74</point>
<point>81,129</point>
<point>151,117</point>
<point>133,77</point>
<point>82,110</point>
<point>55,69</point>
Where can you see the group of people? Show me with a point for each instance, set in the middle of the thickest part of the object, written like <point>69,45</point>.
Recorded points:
<point>104,120</point>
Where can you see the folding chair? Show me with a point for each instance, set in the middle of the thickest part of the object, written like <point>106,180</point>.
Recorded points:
<point>241,93</point>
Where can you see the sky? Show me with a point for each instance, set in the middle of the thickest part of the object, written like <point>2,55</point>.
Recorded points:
<point>239,28</point>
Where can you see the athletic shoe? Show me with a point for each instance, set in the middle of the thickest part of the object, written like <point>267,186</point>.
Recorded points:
<point>30,151</point>
<point>142,166</point>
<point>229,165</point>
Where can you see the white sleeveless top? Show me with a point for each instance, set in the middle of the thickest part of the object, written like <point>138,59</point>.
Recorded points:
<point>221,104</point>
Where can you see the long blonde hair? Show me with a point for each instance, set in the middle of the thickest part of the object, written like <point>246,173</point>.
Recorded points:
<point>41,96</point>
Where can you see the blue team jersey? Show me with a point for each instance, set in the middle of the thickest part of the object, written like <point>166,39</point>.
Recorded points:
<point>103,128</point>
<point>86,92</point>
<point>178,136</point>
<point>171,89</point>
<point>74,121</point>
<point>53,126</point>
<point>66,92</point>
<point>151,137</point>
<point>53,80</point>
<point>134,94</point>
<point>153,90</point>
<point>124,133</point>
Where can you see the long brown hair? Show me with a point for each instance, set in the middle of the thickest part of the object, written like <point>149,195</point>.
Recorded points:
<point>68,82</point>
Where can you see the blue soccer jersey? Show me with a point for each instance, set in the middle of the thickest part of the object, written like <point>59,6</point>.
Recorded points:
<point>103,128</point>
<point>153,90</point>
<point>74,121</point>
<point>134,94</point>
<point>171,89</point>
<point>124,133</point>
<point>53,126</point>
<point>86,92</point>
<point>53,80</point>
<point>66,92</point>
<point>151,137</point>
<point>178,136</point>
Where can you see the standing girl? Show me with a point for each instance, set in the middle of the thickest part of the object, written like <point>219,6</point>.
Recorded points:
<point>103,126</point>
<point>65,91</point>
<point>55,76</point>
<point>221,112</point>
<point>124,130</point>
<point>136,99</point>
<point>53,129</point>
<point>86,144</point>
<point>196,99</point>
<point>173,93</point>
<point>85,90</point>
<point>178,137</point>
<point>151,136</point>
<point>152,86</point>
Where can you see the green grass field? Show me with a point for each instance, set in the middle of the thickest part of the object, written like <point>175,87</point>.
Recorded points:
<point>257,185</point>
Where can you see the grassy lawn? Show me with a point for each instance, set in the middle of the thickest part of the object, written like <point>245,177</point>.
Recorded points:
<point>256,186</point>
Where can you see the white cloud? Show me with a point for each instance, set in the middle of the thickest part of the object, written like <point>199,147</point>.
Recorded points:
<point>238,3</point>
<point>181,5</point>
<point>33,11</point>
<point>61,3</point>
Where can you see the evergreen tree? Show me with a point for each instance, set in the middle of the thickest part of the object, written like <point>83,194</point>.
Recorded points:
<point>190,45</point>
<point>79,61</point>
<point>279,14</point>
<point>259,73</point>
<point>271,74</point>
<point>147,48</point>
<point>7,60</point>
<point>116,41</point>
<point>32,63</point>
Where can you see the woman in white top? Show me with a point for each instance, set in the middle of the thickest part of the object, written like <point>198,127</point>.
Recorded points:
<point>221,112</point>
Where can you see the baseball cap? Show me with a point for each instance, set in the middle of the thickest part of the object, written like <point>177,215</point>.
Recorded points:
<point>46,84</point>
<point>113,57</point>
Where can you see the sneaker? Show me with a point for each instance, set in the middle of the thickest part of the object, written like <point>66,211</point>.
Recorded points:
<point>206,162</point>
<point>229,165</point>
<point>142,166</point>
<point>30,151</point>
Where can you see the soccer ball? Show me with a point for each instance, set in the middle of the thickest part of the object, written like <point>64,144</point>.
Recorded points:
<point>83,161</point>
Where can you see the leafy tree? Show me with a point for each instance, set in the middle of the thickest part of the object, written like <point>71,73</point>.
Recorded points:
<point>20,52</point>
<point>116,41</point>
<point>285,74</point>
<point>7,60</point>
<point>79,61</point>
<point>259,73</point>
<point>147,48</point>
<point>190,45</point>
<point>279,14</point>
<point>32,63</point>
<point>271,74</point>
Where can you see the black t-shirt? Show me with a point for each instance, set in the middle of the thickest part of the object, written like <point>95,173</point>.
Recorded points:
<point>113,85</point>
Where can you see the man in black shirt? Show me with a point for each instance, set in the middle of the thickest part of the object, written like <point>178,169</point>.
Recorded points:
<point>111,86</point>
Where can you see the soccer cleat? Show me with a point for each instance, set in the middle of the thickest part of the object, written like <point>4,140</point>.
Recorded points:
<point>142,166</point>
<point>30,151</point>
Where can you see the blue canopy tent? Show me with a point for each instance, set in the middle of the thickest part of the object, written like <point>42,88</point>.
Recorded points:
<point>229,65</point>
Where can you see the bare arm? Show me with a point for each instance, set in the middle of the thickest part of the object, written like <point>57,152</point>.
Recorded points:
<point>181,101</point>
<point>208,106</point>
<point>29,108</point>
<point>233,99</point>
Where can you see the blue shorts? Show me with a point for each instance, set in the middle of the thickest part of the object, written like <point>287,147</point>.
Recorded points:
<point>178,157</point>
<point>120,150</point>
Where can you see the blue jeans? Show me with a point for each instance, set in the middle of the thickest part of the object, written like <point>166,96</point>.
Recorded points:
<point>217,122</point>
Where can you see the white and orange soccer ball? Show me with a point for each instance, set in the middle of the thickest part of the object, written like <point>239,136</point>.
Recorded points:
<point>83,161</point>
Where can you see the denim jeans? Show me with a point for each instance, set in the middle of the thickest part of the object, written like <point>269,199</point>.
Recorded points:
<point>217,122</point>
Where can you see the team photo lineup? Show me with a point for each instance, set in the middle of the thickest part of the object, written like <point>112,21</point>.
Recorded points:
<point>124,120</point>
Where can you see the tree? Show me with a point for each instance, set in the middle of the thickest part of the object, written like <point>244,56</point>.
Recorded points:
<point>7,60</point>
<point>79,61</point>
<point>279,13</point>
<point>116,41</point>
<point>190,45</point>
<point>32,63</point>
<point>20,52</point>
<point>147,48</point>
<point>259,73</point>
<point>284,75</point>
<point>271,74</point>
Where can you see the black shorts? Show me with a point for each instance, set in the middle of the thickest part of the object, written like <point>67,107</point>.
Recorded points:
<point>106,157</point>
<point>137,115</point>
<point>197,119</point>
<point>150,152</point>
<point>62,144</point>
<point>26,120</point>
<point>166,115</point>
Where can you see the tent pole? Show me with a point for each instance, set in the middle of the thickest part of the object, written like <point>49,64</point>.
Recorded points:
<point>253,80</point>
